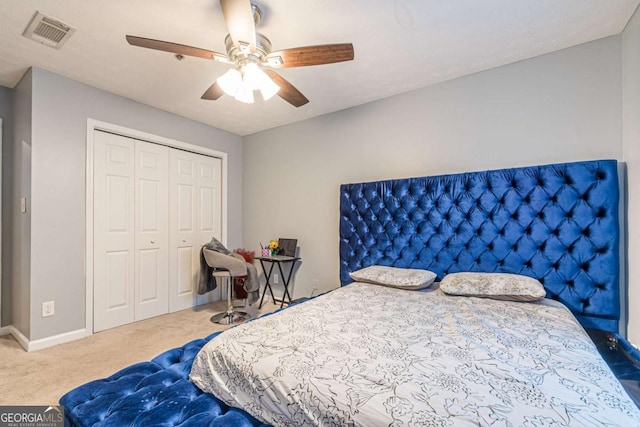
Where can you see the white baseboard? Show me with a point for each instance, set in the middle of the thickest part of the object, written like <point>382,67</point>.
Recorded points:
<point>44,342</point>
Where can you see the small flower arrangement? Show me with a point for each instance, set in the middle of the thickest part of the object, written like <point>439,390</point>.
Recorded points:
<point>273,247</point>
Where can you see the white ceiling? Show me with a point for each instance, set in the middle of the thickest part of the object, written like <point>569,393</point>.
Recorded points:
<point>400,45</point>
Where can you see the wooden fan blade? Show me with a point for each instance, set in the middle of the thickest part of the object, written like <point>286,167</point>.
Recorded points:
<point>310,55</point>
<point>287,91</point>
<point>214,92</point>
<point>239,17</point>
<point>175,48</point>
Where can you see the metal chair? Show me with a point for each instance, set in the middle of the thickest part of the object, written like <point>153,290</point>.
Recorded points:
<point>226,267</point>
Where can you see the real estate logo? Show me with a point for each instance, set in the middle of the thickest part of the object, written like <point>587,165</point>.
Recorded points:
<point>31,416</point>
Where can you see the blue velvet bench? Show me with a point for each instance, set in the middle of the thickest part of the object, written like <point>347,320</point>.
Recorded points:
<point>155,393</point>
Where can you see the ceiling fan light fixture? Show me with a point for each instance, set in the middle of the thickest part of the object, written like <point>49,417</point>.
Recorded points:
<point>230,82</point>
<point>244,94</point>
<point>268,87</point>
<point>252,75</point>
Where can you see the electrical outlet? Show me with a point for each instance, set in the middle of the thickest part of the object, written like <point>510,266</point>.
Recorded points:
<point>48,308</point>
<point>276,279</point>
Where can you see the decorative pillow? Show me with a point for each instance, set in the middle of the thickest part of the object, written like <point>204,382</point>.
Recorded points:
<point>402,278</point>
<point>502,286</point>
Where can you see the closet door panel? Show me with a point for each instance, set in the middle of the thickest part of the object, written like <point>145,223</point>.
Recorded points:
<point>114,234</point>
<point>209,215</point>
<point>152,230</point>
<point>184,261</point>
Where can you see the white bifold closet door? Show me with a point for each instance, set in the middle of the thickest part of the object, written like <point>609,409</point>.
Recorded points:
<point>131,216</point>
<point>154,207</point>
<point>194,219</point>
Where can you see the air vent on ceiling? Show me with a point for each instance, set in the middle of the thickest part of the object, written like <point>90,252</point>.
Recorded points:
<point>49,31</point>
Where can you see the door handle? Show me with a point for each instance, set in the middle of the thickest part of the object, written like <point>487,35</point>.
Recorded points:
<point>184,240</point>
<point>153,241</point>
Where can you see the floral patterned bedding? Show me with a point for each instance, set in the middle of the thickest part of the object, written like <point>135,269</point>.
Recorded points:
<point>369,355</point>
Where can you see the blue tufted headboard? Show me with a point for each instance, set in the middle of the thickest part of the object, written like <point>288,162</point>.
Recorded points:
<point>557,223</point>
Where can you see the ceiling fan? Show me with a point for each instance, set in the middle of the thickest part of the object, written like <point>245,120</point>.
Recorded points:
<point>250,53</point>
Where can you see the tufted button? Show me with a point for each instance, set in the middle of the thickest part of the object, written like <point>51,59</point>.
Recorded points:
<point>528,264</point>
<point>514,247</point>
<point>555,232</point>
<point>586,232</point>
<point>501,262</point>
<point>600,286</point>
<point>569,214</point>
<point>600,175</point>
<point>540,215</point>
<point>584,266</point>
<point>542,246</point>
<point>569,283</point>
<point>490,246</point>
<point>540,182</point>
<point>601,212</point>
<point>553,199</point>
<point>555,265</point>
<point>527,231</point>
<point>601,250</point>
<point>527,199</point>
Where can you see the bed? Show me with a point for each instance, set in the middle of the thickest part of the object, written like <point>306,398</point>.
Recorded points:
<point>555,223</point>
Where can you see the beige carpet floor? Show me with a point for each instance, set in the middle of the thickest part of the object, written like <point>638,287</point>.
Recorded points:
<point>42,377</point>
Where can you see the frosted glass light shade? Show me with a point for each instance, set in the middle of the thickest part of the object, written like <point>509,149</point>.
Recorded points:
<point>252,75</point>
<point>230,81</point>
<point>244,93</point>
<point>268,87</point>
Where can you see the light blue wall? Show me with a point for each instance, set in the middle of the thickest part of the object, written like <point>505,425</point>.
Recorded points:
<point>631,148</point>
<point>6,113</point>
<point>19,237</point>
<point>563,106</point>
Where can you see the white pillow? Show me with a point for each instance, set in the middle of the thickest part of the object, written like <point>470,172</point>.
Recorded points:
<point>502,286</point>
<point>402,278</point>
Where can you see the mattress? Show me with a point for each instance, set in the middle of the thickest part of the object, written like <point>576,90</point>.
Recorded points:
<point>372,355</point>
